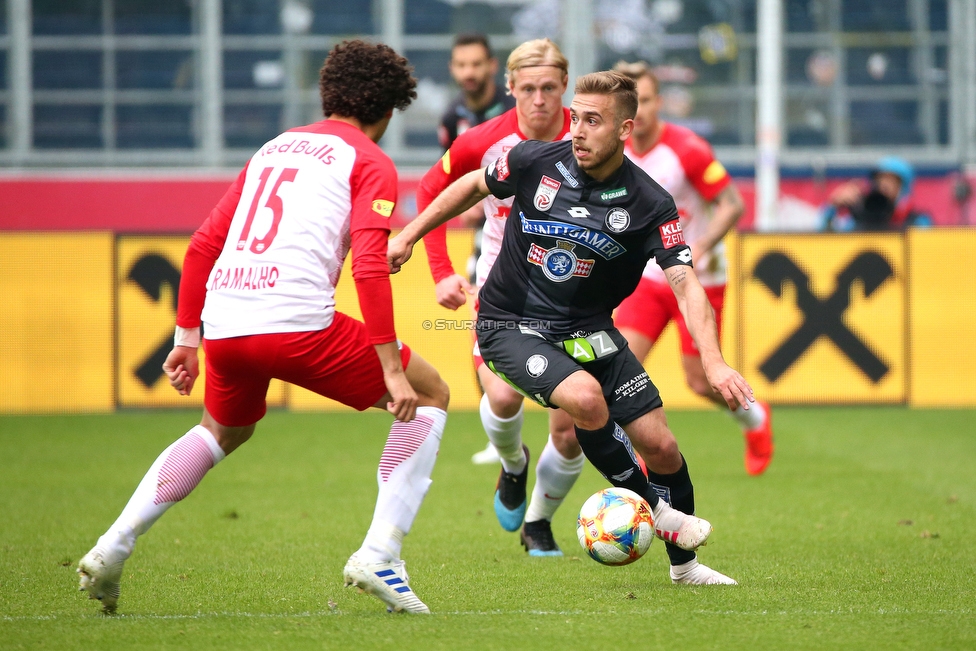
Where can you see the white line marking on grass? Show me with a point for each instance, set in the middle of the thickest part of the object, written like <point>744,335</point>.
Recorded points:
<point>899,612</point>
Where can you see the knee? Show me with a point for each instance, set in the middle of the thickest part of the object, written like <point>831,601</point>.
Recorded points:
<point>505,402</point>
<point>562,429</point>
<point>592,412</point>
<point>564,440</point>
<point>440,394</point>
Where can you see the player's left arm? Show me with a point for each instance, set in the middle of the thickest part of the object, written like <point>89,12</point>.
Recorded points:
<point>727,207</point>
<point>700,319</point>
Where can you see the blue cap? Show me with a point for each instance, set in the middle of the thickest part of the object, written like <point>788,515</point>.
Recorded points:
<point>900,168</point>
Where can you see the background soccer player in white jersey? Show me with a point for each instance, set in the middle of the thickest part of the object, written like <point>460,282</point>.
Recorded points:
<point>261,273</point>
<point>537,75</point>
<point>709,206</point>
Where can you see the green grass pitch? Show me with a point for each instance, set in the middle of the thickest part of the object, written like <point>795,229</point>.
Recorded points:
<point>860,536</point>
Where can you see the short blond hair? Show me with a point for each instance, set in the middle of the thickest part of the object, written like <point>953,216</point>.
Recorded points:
<point>538,52</point>
<point>622,88</point>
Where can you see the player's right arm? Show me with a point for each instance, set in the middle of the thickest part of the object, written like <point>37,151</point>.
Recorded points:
<point>459,196</point>
<point>182,365</point>
<point>461,157</point>
<point>373,197</point>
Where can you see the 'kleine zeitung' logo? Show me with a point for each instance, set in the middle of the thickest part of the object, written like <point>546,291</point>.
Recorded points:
<point>536,365</point>
<point>618,220</point>
<point>671,235</point>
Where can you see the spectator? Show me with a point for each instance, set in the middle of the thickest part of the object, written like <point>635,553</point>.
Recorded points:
<point>884,203</point>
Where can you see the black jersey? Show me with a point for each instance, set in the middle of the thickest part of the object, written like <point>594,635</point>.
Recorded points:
<point>458,118</point>
<point>574,247</point>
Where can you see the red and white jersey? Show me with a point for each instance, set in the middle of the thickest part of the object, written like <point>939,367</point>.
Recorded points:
<point>474,149</point>
<point>283,231</point>
<point>684,165</point>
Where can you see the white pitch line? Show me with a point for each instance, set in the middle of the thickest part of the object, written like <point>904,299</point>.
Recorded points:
<point>496,613</point>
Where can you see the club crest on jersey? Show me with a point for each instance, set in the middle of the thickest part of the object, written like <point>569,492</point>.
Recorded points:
<point>671,235</point>
<point>545,193</point>
<point>618,220</point>
<point>560,263</point>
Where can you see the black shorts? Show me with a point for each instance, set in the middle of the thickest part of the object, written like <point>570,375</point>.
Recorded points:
<point>534,365</point>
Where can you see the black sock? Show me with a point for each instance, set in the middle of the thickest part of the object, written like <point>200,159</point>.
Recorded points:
<point>610,452</point>
<point>676,490</point>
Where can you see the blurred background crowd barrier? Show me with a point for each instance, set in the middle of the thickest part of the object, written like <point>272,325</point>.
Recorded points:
<point>810,319</point>
<point>123,121</point>
<point>202,83</point>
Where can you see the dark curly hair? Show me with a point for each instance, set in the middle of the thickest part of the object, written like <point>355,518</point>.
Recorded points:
<point>365,81</point>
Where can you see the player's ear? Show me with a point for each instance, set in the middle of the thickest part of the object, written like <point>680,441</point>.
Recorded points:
<point>626,128</point>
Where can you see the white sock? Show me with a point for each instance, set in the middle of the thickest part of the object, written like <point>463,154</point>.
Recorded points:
<point>506,435</point>
<point>175,473</point>
<point>404,478</point>
<point>749,419</point>
<point>554,477</point>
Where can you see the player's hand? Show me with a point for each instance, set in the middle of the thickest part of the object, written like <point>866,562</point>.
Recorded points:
<point>403,403</point>
<point>398,251</point>
<point>182,367</point>
<point>452,292</point>
<point>728,383</point>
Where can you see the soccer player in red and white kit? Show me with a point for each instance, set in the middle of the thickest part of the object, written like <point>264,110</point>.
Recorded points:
<point>537,76</point>
<point>709,205</point>
<point>261,274</point>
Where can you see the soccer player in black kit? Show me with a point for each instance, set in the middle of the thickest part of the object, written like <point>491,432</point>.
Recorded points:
<point>584,223</point>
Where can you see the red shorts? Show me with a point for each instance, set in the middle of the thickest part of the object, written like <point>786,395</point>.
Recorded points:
<point>652,305</point>
<point>338,363</point>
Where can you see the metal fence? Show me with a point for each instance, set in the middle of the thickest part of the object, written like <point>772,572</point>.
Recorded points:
<point>202,83</point>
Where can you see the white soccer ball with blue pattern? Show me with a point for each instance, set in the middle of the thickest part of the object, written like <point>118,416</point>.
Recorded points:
<point>615,526</point>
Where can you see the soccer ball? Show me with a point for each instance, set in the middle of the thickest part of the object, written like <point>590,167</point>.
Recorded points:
<point>615,526</point>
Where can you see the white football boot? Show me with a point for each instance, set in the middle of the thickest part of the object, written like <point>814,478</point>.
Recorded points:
<point>386,581</point>
<point>100,573</point>
<point>485,457</point>
<point>694,573</point>
<point>685,531</point>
